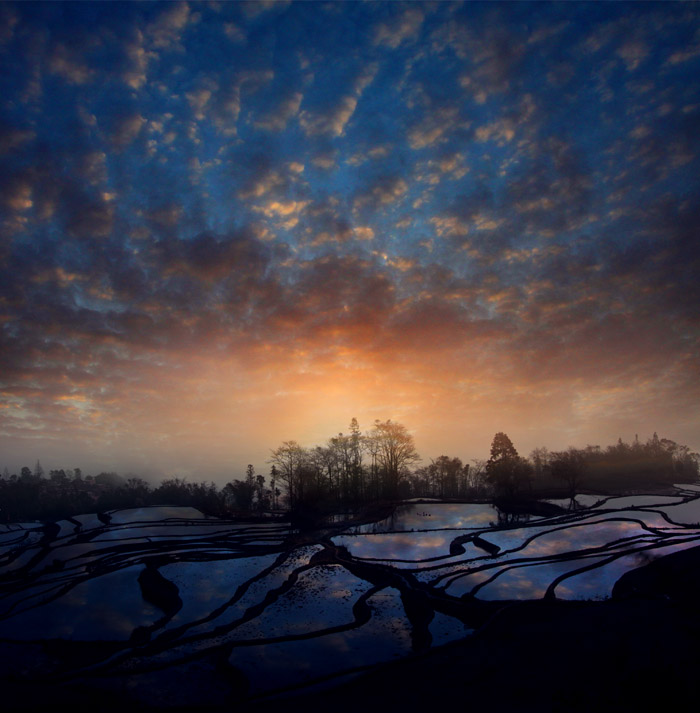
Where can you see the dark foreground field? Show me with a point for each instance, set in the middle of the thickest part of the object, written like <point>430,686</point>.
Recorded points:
<point>633,654</point>
<point>438,604</point>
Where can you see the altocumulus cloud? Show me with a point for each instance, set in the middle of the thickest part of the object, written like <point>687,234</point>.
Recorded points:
<point>225,225</point>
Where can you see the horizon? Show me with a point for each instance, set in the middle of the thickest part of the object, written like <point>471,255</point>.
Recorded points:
<point>154,478</point>
<point>225,226</point>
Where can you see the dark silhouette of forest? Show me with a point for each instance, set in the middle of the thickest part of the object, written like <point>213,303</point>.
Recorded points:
<point>355,469</point>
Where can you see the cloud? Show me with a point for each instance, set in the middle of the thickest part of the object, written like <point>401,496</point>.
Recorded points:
<point>346,296</point>
<point>373,153</point>
<point>277,118</point>
<point>254,8</point>
<point>166,216</point>
<point>274,208</point>
<point>633,52</point>
<point>326,159</point>
<point>136,60</point>
<point>687,53</point>
<point>431,324</point>
<point>401,28</point>
<point>165,31</point>
<point>500,131</point>
<point>92,167</point>
<point>177,249</point>
<point>211,257</point>
<point>504,129</point>
<point>68,64</point>
<point>381,191</point>
<point>263,176</point>
<point>199,97</point>
<point>332,120</point>
<point>227,107</point>
<point>126,129</point>
<point>364,232</point>
<point>13,137</point>
<point>16,193</point>
<point>450,226</point>
<point>435,127</point>
<point>325,223</point>
<point>87,216</point>
<point>234,33</point>
<point>9,19</point>
<point>224,104</point>
<point>556,192</point>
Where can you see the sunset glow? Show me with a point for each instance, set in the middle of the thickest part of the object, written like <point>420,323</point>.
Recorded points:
<point>225,225</point>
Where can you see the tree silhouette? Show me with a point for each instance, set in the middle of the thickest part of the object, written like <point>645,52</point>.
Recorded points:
<point>569,466</point>
<point>395,452</point>
<point>289,460</point>
<point>508,473</point>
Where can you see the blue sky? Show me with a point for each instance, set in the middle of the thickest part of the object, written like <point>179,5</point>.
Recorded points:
<point>225,225</point>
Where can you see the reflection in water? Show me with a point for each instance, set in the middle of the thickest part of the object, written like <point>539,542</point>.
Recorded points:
<point>432,516</point>
<point>684,514</point>
<point>286,611</point>
<point>386,635</point>
<point>404,548</point>
<point>79,615</point>
<point>598,583</point>
<point>155,514</point>
<point>579,501</point>
<point>640,501</point>
<point>527,581</point>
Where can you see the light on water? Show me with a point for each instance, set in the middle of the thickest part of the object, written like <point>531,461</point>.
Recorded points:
<point>295,613</point>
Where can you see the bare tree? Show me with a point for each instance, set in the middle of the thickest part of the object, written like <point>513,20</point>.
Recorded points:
<point>395,452</point>
<point>569,466</point>
<point>289,460</point>
<point>477,477</point>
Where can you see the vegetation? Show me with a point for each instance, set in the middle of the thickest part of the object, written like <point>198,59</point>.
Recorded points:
<point>508,474</point>
<point>354,469</point>
<point>619,467</point>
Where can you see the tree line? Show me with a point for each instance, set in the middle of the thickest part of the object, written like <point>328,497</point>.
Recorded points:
<point>357,468</point>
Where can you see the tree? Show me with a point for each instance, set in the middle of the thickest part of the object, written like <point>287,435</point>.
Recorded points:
<point>445,473</point>
<point>502,449</point>
<point>540,459</point>
<point>508,473</point>
<point>260,492</point>
<point>569,466</point>
<point>395,452</point>
<point>289,459</point>
<point>136,491</point>
<point>243,491</point>
<point>477,480</point>
<point>273,490</point>
<point>114,480</point>
<point>58,476</point>
<point>356,470</point>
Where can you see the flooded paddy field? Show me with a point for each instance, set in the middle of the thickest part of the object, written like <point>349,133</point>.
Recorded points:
<point>164,607</point>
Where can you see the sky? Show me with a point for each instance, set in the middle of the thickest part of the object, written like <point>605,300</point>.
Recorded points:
<point>227,225</point>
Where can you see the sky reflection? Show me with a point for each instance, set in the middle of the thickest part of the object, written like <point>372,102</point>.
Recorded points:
<point>309,612</point>
<point>433,516</point>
